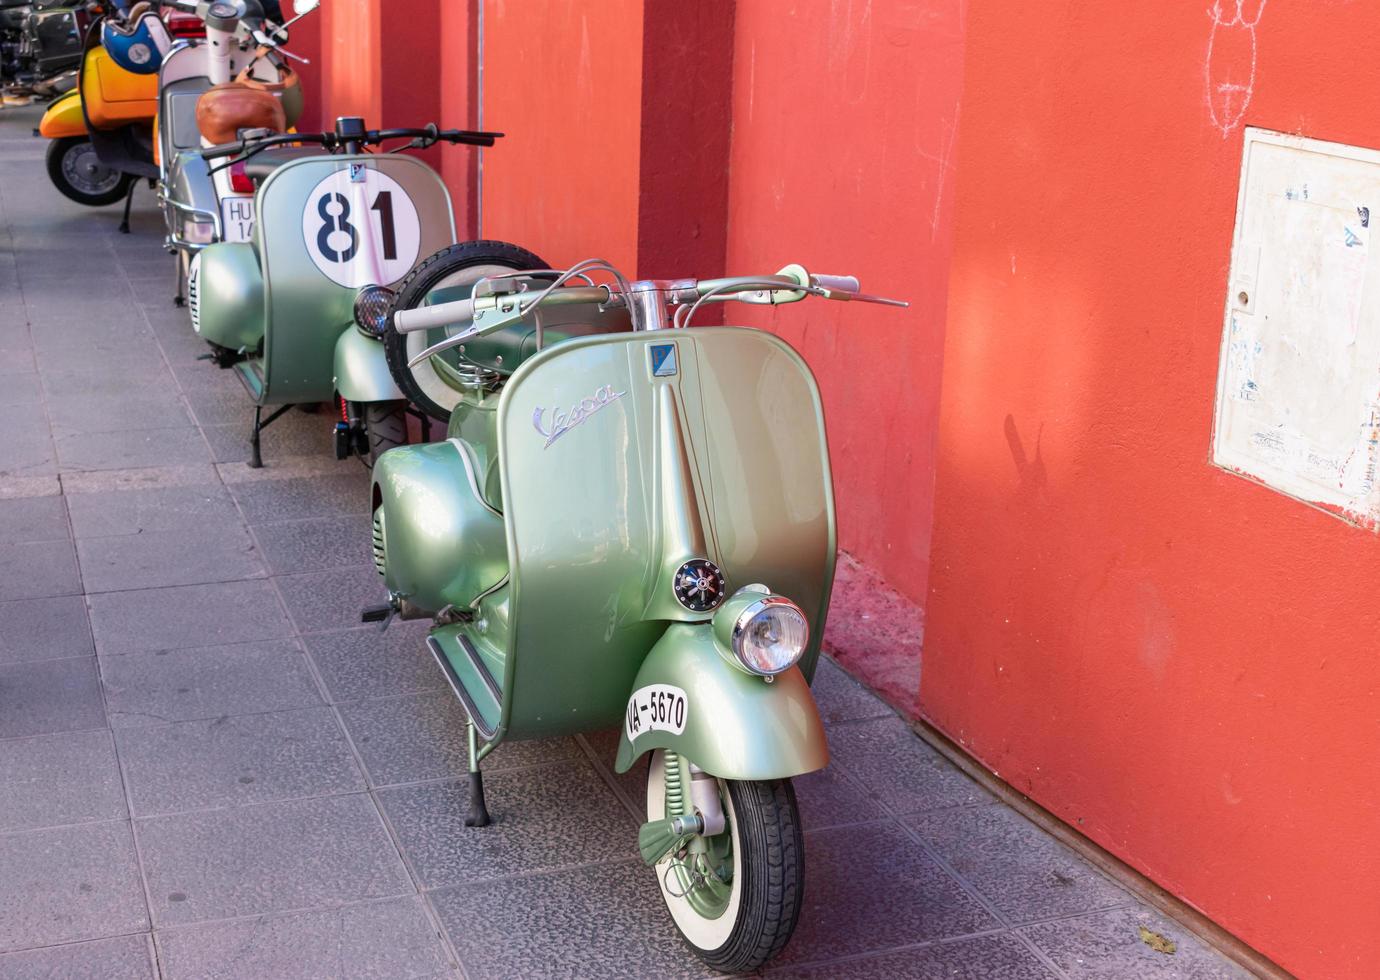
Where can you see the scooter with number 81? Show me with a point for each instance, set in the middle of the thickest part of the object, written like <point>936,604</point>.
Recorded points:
<point>630,528</point>
<point>298,311</point>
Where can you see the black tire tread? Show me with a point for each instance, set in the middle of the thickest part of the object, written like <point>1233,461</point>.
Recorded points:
<point>385,423</point>
<point>53,160</point>
<point>415,287</point>
<point>770,835</point>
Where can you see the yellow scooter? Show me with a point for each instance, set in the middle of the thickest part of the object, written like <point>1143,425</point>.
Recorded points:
<point>102,132</point>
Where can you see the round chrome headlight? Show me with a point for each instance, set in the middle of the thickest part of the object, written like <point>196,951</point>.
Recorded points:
<point>770,635</point>
<point>372,304</point>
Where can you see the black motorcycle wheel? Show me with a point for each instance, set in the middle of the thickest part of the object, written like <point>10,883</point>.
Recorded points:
<point>448,263</point>
<point>78,174</point>
<point>385,425</point>
<point>735,899</point>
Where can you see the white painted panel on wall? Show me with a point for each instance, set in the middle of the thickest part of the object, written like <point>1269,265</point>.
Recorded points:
<point>1298,388</point>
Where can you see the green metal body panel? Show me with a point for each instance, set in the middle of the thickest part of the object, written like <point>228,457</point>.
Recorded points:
<point>737,726</point>
<point>610,479</point>
<point>726,458</point>
<point>445,546</point>
<point>361,370</point>
<point>304,311</point>
<point>228,296</point>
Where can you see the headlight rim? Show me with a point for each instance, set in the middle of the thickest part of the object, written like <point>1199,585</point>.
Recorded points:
<point>745,618</point>
<point>367,293</point>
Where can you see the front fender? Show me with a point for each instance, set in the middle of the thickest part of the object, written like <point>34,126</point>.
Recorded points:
<point>63,118</point>
<point>736,725</point>
<point>361,370</point>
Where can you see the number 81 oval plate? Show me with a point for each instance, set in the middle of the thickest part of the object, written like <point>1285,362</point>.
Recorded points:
<point>656,708</point>
<point>339,212</point>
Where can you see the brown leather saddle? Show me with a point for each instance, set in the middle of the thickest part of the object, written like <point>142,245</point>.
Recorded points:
<point>247,103</point>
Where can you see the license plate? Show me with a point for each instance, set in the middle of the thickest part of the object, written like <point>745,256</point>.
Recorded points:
<point>237,218</point>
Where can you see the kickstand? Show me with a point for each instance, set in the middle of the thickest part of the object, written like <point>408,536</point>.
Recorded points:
<point>129,200</point>
<point>479,811</point>
<point>256,460</point>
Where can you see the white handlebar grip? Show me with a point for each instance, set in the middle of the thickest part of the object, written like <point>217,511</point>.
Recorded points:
<point>846,284</point>
<point>440,315</point>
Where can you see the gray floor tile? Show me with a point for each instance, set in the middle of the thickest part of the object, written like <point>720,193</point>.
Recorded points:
<point>49,696</point>
<point>52,780</point>
<point>20,389</point>
<point>1025,873</point>
<point>387,940</point>
<point>83,483</point>
<point>232,761</point>
<point>298,499</point>
<point>331,600</point>
<point>303,546</point>
<point>1108,946</point>
<point>610,918</point>
<point>166,686</point>
<point>173,508</point>
<point>73,415</point>
<point>227,404</point>
<point>290,435</point>
<point>840,698</point>
<point>125,958</point>
<point>632,783</point>
<point>44,629</point>
<point>1000,957</point>
<point>544,819</point>
<point>33,519</point>
<point>894,765</point>
<point>871,887</point>
<point>34,569</point>
<point>156,559</point>
<point>27,452</point>
<point>406,739</point>
<point>129,448</point>
<point>275,857</point>
<point>14,358</point>
<point>61,385</point>
<point>136,358</point>
<point>69,884</point>
<point>829,798</point>
<point>187,616</point>
<point>367,663</point>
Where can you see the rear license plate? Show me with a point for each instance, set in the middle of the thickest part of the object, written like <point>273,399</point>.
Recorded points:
<point>237,218</point>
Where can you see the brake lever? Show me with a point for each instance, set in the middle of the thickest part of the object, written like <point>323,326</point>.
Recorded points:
<point>848,297</point>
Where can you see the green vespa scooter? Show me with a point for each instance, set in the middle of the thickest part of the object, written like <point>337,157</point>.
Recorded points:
<point>298,311</point>
<point>630,528</point>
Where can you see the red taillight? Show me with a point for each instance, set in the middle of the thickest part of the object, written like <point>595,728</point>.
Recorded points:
<point>185,25</point>
<point>239,180</point>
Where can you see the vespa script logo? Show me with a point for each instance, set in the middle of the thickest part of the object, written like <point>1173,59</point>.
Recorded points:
<point>578,414</point>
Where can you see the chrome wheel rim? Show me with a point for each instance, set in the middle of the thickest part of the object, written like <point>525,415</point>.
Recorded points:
<point>83,170</point>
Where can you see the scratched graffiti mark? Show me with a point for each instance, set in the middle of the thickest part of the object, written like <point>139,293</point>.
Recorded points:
<point>1230,70</point>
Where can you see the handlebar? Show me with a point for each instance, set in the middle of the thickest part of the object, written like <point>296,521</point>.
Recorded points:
<point>488,313</point>
<point>333,141</point>
<point>847,284</point>
<point>427,317</point>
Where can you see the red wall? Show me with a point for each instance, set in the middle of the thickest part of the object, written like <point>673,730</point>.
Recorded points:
<point>1176,661</point>
<point>563,80</point>
<point>844,120</point>
<point>458,108</point>
<point>351,75</point>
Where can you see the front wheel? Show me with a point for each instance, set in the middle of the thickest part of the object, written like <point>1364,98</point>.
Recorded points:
<point>436,385</point>
<point>735,897</point>
<point>385,426</point>
<point>78,173</point>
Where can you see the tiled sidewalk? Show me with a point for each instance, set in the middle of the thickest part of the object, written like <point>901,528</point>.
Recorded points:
<point>207,768</point>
